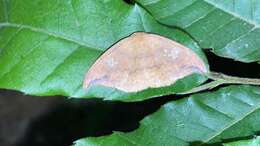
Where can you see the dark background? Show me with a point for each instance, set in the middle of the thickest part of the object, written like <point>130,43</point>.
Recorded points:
<point>58,121</point>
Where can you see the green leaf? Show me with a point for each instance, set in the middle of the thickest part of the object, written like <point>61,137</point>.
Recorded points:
<point>212,117</point>
<point>251,142</point>
<point>230,27</point>
<point>46,47</point>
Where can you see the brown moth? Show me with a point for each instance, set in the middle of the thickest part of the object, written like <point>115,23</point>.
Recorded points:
<point>143,61</point>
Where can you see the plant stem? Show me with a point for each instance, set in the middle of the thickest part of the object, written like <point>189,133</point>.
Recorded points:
<point>233,80</point>
<point>206,86</point>
<point>219,79</point>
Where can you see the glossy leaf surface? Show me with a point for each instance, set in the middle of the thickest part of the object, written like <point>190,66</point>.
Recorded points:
<point>199,119</point>
<point>251,142</point>
<point>46,47</point>
<point>230,27</point>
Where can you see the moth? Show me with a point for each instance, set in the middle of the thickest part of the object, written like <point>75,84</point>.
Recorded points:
<point>141,61</point>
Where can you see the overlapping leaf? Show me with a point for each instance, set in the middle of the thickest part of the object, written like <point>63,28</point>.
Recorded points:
<point>203,118</point>
<point>46,47</point>
<point>230,27</point>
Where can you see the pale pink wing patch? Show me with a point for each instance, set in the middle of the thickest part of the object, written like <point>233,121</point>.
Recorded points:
<point>143,61</point>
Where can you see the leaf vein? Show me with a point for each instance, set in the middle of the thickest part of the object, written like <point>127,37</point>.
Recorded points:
<point>179,11</point>
<point>242,101</point>
<point>214,109</point>
<point>25,56</point>
<point>40,30</point>
<point>60,64</point>
<point>194,122</point>
<point>141,17</point>
<point>198,19</point>
<point>232,123</point>
<point>9,40</point>
<point>239,37</point>
<point>152,2</point>
<point>221,26</point>
<point>232,13</point>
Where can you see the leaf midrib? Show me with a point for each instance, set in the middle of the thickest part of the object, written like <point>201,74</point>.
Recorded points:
<point>233,123</point>
<point>233,14</point>
<point>43,31</point>
<point>213,136</point>
<point>222,9</point>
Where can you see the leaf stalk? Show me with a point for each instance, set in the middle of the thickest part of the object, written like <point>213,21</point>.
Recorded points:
<point>219,79</point>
